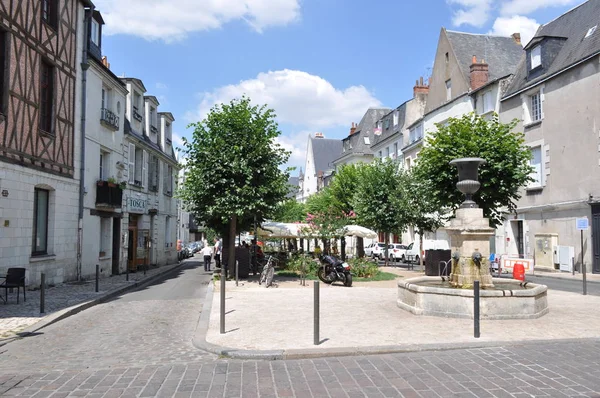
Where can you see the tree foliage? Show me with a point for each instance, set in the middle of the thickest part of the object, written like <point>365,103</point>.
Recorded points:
<point>326,220</point>
<point>290,210</point>
<point>380,200</point>
<point>343,187</point>
<point>233,165</point>
<point>506,171</point>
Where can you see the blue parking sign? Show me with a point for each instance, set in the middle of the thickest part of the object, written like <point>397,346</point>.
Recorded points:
<point>582,224</point>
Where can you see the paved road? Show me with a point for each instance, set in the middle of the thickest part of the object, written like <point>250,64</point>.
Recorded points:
<point>140,346</point>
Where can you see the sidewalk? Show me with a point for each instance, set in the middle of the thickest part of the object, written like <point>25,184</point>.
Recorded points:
<point>277,322</point>
<point>66,299</point>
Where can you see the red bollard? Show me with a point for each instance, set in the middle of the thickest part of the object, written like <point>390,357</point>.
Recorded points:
<point>519,272</point>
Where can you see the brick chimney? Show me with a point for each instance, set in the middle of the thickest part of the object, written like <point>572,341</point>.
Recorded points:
<point>353,128</point>
<point>420,87</point>
<point>479,73</point>
<point>105,62</point>
<point>517,38</point>
<point>319,135</point>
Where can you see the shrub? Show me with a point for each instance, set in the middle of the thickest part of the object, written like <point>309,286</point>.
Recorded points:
<point>363,268</point>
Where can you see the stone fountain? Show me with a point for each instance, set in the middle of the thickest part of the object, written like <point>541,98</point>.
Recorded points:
<point>470,235</point>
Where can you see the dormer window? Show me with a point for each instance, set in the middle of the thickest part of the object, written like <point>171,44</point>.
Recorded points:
<point>591,31</point>
<point>536,56</point>
<point>95,33</point>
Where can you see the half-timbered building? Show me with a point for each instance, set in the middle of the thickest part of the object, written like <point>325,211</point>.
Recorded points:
<point>39,176</point>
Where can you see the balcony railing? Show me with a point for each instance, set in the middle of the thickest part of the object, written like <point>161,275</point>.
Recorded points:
<point>108,194</point>
<point>153,129</point>
<point>109,119</point>
<point>136,115</point>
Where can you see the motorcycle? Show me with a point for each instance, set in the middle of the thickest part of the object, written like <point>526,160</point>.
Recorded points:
<point>333,269</point>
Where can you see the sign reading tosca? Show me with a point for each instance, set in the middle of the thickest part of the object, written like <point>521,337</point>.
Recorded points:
<point>135,205</point>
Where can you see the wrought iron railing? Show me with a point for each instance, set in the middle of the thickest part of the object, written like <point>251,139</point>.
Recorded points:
<point>109,118</point>
<point>153,129</point>
<point>136,115</point>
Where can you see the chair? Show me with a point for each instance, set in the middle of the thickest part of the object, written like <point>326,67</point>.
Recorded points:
<point>15,277</point>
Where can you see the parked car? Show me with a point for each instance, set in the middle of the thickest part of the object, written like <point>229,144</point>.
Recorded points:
<point>412,251</point>
<point>397,252</point>
<point>375,250</point>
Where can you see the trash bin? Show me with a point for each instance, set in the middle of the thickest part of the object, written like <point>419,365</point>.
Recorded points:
<point>432,262</point>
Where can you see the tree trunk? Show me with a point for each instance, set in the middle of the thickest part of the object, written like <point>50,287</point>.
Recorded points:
<point>421,252</point>
<point>386,249</point>
<point>231,247</point>
<point>343,248</point>
<point>360,247</point>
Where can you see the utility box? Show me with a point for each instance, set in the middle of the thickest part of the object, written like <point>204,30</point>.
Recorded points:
<point>544,251</point>
<point>564,256</point>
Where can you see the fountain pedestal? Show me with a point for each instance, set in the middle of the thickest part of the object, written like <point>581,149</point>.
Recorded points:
<point>470,233</point>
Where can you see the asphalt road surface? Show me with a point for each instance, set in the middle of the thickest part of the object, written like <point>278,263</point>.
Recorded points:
<point>139,345</point>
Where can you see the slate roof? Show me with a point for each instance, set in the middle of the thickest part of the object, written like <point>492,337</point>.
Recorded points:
<point>325,151</point>
<point>502,54</point>
<point>364,129</point>
<point>143,137</point>
<point>572,26</point>
<point>294,186</point>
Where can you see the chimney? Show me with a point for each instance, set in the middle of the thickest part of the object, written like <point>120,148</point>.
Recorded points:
<point>420,88</point>
<point>319,135</point>
<point>105,62</point>
<point>517,38</point>
<point>353,128</point>
<point>479,73</point>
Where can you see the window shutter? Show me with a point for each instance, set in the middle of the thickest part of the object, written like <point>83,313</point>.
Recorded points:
<point>165,180</point>
<point>536,164</point>
<point>131,163</point>
<point>542,103</point>
<point>144,169</point>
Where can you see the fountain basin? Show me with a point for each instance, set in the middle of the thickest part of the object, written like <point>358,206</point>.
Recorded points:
<point>429,295</point>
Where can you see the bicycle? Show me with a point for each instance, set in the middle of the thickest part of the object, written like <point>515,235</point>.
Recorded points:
<point>268,271</point>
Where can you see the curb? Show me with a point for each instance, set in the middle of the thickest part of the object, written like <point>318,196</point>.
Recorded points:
<point>67,312</point>
<point>199,341</point>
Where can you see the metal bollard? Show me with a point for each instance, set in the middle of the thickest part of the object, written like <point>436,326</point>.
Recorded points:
<point>43,294</point>
<point>316,314</point>
<point>236,271</point>
<point>222,314</point>
<point>97,276</point>
<point>476,308</point>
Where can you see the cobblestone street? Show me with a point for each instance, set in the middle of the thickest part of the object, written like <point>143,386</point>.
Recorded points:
<point>139,345</point>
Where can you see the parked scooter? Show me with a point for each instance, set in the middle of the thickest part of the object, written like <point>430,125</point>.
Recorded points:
<point>333,269</point>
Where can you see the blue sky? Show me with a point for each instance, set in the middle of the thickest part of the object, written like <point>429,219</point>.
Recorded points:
<point>319,63</point>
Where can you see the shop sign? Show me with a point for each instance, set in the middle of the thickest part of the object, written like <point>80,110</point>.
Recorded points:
<point>135,205</point>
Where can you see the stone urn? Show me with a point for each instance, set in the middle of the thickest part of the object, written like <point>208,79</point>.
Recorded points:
<point>468,181</point>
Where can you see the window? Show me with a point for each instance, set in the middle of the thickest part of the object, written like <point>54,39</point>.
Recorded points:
<point>387,124</point>
<point>380,156</point>
<point>447,58</point>
<point>46,95</point>
<point>536,163</point>
<point>535,107</point>
<point>168,180</point>
<point>536,56</point>
<point>103,98</point>
<point>488,103</point>
<point>104,169</point>
<point>416,133</point>
<point>387,152</point>
<point>95,34</point>
<point>138,168</point>
<point>153,174</point>
<point>448,89</point>
<point>367,140</point>
<point>49,12</point>
<point>40,221</point>
<point>105,244</point>
<point>167,231</point>
<point>395,118</point>
<point>395,150</point>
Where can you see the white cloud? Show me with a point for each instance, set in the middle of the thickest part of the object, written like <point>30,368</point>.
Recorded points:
<point>161,86</point>
<point>175,19</point>
<point>506,26</point>
<point>296,144</point>
<point>525,7</point>
<point>177,140</point>
<point>471,12</point>
<point>297,97</point>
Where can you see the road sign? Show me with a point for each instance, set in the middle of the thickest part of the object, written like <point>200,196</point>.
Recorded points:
<point>582,224</point>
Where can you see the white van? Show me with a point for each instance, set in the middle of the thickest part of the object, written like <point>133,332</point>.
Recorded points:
<point>412,252</point>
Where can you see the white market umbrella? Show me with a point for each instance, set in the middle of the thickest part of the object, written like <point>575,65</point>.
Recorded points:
<point>362,232</point>
<point>281,230</point>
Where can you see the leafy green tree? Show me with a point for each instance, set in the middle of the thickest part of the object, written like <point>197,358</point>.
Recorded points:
<point>290,210</point>
<point>380,201</point>
<point>506,171</point>
<point>233,168</point>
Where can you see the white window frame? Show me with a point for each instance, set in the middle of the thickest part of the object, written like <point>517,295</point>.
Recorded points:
<point>535,56</point>
<point>95,33</point>
<point>131,163</point>
<point>527,103</point>
<point>144,169</point>
<point>487,102</point>
<point>542,166</point>
<point>395,155</point>
<point>395,118</point>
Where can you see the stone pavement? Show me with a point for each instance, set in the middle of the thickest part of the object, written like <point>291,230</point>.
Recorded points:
<point>15,318</point>
<point>278,322</point>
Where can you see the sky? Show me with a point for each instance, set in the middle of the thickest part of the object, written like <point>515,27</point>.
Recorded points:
<point>320,64</point>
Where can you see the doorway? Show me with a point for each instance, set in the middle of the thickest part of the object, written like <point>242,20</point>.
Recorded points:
<point>596,238</point>
<point>116,245</point>
<point>132,243</point>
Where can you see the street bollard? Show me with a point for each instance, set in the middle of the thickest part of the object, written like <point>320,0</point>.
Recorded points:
<point>316,314</point>
<point>97,276</point>
<point>127,273</point>
<point>43,294</point>
<point>236,271</point>
<point>222,314</point>
<point>476,308</point>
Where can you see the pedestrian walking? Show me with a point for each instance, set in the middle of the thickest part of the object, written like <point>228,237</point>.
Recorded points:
<point>217,253</point>
<point>207,251</point>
